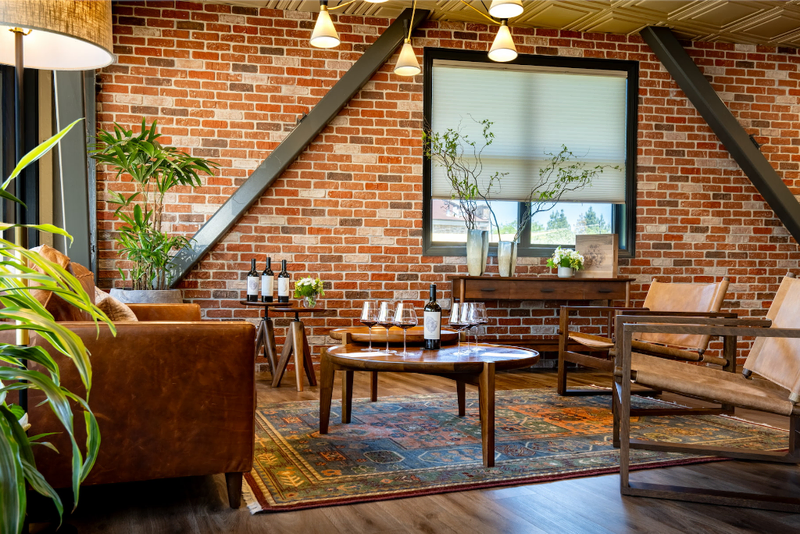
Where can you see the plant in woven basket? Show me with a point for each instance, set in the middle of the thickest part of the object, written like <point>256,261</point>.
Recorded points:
<point>20,271</point>
<point>156,169</point>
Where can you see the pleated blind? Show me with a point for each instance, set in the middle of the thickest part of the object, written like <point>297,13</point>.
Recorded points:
<point>535,110</point>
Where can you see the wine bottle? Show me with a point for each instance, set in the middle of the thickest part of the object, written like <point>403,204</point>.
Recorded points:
<point>267,282</point>
<point>252,282</point>
<point>432,317</point>
<point>283,283</point>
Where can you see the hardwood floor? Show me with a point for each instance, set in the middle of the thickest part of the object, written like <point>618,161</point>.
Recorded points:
<point>199,504</point>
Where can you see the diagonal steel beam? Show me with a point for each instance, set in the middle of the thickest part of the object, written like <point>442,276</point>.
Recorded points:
<point>295,143</point>
<point>736,140</point>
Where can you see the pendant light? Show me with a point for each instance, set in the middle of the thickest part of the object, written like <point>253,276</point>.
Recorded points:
<point>505,9</point>
<point>503,48</point>
<point>407,64</point>
<point>324,34</point>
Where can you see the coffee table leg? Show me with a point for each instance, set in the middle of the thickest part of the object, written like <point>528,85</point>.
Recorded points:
<point>347,396</point>
<point>325,392</point>
<point>486,393</point>
<point>373,386</point>
<point>269,345</point>
<point>461,391</point>
<point>299,355</point>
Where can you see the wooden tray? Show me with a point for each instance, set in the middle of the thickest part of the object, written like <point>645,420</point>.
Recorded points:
<point>413,335</point>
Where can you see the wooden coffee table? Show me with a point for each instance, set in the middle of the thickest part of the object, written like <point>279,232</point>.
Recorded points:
<point>475,368</point>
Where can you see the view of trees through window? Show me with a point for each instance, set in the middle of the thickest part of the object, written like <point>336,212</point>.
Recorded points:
<point>558,226</point>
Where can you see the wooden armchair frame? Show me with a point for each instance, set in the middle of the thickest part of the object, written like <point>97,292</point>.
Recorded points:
<point>627,326</point>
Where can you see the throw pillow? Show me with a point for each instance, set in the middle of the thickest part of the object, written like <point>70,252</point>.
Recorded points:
<point>117,311</point>
<point>58,307</point>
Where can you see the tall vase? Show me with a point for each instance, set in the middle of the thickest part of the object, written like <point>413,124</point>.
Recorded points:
<point>507,257</point>
<point>477,251</point>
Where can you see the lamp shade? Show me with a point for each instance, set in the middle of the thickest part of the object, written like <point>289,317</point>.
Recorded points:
<point>407,64</point>
<point>324,34</point>
<point>503,48</point>
<point>505,9</point>
<point>65,34</point>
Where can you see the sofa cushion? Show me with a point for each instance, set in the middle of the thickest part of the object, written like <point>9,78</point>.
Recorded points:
<point>116,310</point>
<point>58,307</point>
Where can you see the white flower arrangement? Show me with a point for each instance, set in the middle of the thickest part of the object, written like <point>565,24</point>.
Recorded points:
<point>566,258</point>
<point>308,287</point>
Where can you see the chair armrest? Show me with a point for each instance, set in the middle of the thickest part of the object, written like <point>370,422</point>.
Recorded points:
<point>166,312</point>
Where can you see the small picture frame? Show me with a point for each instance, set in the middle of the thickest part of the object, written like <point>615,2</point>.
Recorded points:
<point>600,255</point>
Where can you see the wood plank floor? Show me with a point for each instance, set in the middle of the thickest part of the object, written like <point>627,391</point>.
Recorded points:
<point>199,504</point>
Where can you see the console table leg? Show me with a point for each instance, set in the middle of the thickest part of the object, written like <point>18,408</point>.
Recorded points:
<point>347,396</point>
<point>326,372</point>
<point>486,380</point>
<point>461,391</point>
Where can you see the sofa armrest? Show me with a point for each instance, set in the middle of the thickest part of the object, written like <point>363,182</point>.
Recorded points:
<point>172,399</point>
<point>166,312</point>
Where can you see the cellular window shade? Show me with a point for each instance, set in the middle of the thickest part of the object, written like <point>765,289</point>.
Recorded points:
<point>534,110</point>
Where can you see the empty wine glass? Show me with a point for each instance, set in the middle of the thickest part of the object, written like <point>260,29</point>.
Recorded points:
<point>405,317</point>
<point>481,318</point>
<point>455,321</point>
<point>386,320</point>
<point>369,318</point>
<point>467,312</point>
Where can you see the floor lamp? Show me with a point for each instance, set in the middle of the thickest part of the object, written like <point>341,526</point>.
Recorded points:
<point>49,35</point>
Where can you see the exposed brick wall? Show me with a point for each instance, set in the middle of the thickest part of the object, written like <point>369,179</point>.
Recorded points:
<point>229,83</point>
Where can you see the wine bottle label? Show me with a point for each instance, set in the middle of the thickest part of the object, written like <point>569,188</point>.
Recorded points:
<point>283,287</point>
<point>267,283</point>
<point>252,285</point>
<point>433,322</point>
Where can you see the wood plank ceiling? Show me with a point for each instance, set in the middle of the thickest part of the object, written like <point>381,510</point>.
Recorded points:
<point>774,23</point>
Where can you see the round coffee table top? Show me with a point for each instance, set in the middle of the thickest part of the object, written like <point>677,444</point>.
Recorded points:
<point>360,334</point>
<point>444,360</point>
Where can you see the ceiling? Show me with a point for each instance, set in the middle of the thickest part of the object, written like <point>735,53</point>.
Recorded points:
<point>757,22</point>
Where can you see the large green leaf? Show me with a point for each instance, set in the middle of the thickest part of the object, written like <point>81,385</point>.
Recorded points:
<point>12,483</point>
<point>38,152</point>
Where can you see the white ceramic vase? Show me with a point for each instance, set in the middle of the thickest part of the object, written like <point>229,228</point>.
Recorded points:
<point>565,272</point>
<point>507,258</point>
<point>477,251</point>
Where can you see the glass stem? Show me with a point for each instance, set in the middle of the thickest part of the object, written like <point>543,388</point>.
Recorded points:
<point>387,340</point>
<point>369,329</point>
<point>404,341</point>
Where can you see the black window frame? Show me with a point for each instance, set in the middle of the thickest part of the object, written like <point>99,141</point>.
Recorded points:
<point>624,216</point>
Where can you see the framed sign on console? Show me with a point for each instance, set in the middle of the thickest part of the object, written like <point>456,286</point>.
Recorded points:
<point>600,255</point>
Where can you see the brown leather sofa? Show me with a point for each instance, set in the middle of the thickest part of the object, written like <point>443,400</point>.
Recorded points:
<point>174,396</point>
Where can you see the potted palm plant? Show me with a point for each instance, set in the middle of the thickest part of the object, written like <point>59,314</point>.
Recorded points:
<point>155,169</point>
<point>461,158</point>
<point>20,271</point>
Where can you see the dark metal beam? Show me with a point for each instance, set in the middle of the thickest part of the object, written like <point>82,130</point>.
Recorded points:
<point>295,143</point>
<point>736,140</point>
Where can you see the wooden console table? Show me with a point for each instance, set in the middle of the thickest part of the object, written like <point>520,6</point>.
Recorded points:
<point>541,288</point>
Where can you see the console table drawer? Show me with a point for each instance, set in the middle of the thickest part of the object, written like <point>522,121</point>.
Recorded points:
<point>487,290</point>
<point>604,291</point>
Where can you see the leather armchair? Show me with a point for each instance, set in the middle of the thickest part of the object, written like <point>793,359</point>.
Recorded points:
<point>174,396</point>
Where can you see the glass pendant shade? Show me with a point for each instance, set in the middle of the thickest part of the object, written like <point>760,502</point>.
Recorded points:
<point>407,64</point>
<point>503,48</point>
<point>505,9</point>
<point>64,34</point>
<point>324,34</point>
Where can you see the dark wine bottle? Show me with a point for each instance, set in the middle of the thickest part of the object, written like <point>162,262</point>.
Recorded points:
<point>283,283</point>
<point>432,318</point>
<point>267,282</point>
<point>252,282</point>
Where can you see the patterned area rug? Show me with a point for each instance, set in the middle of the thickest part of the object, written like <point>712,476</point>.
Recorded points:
<point>416,445</point>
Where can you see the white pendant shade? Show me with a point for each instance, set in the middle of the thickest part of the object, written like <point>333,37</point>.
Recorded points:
<point>505,9</point>
<point>407,64</point>
<point>65,34</point>
<point>324,34</point>
<point>503,48</point>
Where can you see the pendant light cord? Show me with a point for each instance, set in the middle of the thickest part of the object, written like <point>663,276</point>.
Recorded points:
<point>480,12</point>
<point>410,26</point>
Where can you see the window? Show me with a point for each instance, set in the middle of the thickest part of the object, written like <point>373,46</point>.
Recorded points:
<point>537,104</point>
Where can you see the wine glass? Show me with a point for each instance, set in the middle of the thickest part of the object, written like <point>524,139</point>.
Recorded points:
<point>455,321</point>
<point>386,320</point>
<point>369,318</point>
<point>481,317</point>
<point>467,310</point>
<point>405,317</point>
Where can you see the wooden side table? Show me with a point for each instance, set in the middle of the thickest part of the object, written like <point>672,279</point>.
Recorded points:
<point>265,336</point>
<point>297,344</point>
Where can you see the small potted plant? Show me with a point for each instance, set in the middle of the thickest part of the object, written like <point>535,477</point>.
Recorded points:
<point>567,261</point>
<point>309,289</point>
